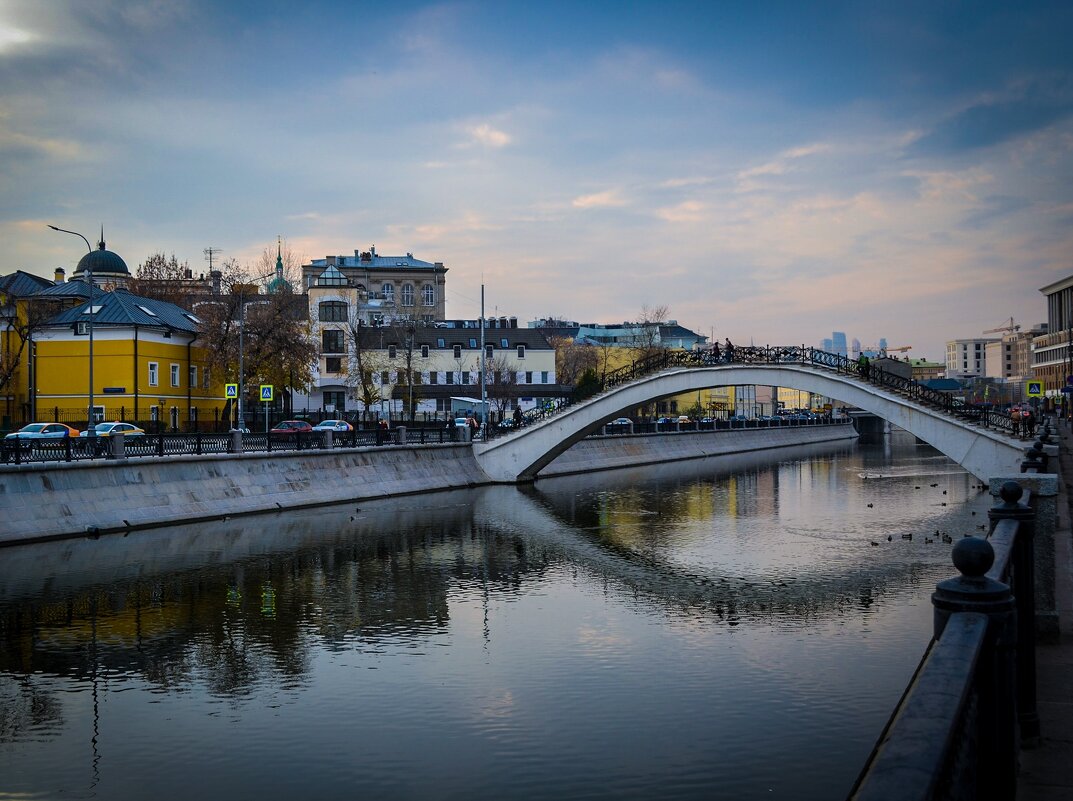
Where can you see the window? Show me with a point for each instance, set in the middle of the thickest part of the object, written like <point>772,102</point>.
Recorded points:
<point>205,378</point>
<point>440,343</point>
<point>434,377</point>
<point>154,374</point>
<point>384,378</point>
<point>503,343</point>
<point>424,351</point>
<point>457,351</point>
<point>336,399</point>
<point>489,351</point>
<point>333,364</point>
<point>333,311</point>
<point>332,341</point>
<point>389,292</point>
<point>428,295</point>
<point>521,351</point>
<point>407,294</point>
<point>193,376</point>
<point>450,377</point>
<point>81,329</point>
<point>392,351</point>
<point>529,378</point>
<point>544,377</point>
<point>465,376</point>
<point>154,413</point>
<point>175,375</point>
<point>472,343</point>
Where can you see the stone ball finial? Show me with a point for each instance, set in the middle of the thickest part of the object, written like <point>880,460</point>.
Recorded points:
<point>1011,492</point>
<point>973,556</point>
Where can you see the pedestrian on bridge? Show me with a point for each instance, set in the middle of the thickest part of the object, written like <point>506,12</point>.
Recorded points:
<point>729,348</point>
<point>715,352</point>
<point>1015,421</point>
<point>864,367</point>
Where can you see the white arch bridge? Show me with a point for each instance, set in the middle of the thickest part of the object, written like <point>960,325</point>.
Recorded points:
<point>976,438</point>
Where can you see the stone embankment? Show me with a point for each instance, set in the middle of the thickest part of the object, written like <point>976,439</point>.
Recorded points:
<point>56,499</point>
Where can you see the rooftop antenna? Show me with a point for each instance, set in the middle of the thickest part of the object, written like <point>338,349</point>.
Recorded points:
<point>209,253</point>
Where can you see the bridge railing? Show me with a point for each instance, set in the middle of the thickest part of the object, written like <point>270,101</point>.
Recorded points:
<point>956,732</point>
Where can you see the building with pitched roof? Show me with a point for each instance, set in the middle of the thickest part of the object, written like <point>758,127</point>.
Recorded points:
<point>148,365</point>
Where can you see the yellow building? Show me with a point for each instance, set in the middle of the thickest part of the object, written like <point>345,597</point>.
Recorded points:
<point>147,365</point>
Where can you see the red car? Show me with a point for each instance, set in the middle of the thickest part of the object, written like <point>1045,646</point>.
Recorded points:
<point>292,427</point>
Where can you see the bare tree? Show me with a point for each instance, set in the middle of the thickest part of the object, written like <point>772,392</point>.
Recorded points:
<point>277,347</point>
<point>263,268</point>
<point>366,361</point>
<point>162,278</point>
<point>572,359</point>
<point>501,382</point>
<point>20,319</point>
<point>647,341</point>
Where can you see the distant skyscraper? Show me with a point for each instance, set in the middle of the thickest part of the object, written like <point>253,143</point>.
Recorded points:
<point>856,347</point>
<point>838,339</point>
<point>882,344</point>
<point>827,345</point>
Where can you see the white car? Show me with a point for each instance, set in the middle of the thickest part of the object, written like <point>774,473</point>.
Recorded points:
<point>108,429</point>
<point>43,431</point>
<point>339,426</point>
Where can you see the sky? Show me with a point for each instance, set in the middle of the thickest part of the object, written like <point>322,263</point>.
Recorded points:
<point>769,172</point>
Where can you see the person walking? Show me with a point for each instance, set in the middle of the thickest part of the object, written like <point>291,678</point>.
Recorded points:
<point>1015,421</point>
<point>715,352</point>
<point>863,366</point>
<point>729,348</point>
<point>517,417</point>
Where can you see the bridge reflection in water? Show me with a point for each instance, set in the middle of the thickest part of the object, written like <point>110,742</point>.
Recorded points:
<point>711,629</point>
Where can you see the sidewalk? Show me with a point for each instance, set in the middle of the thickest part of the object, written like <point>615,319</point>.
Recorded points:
<point>1047,771</point>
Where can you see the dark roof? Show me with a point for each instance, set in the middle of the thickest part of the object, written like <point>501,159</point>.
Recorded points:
<point>121,308</point>
<point>102,261</point>
<point>20,284</point>
<point>943,384</point>
<point>75,288</point>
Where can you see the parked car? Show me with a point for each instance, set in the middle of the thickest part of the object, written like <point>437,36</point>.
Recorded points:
<point>108,429</point>
<point>43,431</point>
<point>621,421</point>
<point>288,427</point>
<point>338,426</point>
<point>684,418</point>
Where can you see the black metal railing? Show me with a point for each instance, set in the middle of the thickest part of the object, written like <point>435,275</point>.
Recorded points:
<point>972,701</point>
<point>980,414</point>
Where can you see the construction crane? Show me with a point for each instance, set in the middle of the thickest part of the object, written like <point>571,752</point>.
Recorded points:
<point>1009,328</point>
<point>902,349</point>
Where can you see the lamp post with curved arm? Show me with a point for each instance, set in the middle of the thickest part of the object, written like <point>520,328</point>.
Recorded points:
<point>90,428</point>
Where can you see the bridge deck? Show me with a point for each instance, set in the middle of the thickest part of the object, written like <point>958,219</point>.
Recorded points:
<point>1045,771</point>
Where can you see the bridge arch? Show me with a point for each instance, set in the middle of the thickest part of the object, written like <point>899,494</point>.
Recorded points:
<point>520,455</point>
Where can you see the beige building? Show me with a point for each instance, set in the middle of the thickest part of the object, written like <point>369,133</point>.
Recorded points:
<point>380,290</point>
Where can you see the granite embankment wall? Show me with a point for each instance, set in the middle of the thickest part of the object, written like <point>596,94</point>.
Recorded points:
<point>57,499</point>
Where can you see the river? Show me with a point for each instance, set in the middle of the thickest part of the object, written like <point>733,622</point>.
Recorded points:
<point>731,628</point>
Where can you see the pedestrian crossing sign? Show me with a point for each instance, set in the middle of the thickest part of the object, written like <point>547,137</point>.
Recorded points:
<point>230,391</point>
<point>1034,389</point>
<point>266,392</point>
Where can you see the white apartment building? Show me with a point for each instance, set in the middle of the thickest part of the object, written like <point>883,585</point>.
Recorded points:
<point>966,358</point>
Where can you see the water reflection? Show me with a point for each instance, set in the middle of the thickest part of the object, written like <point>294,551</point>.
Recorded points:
<point>512,621</point>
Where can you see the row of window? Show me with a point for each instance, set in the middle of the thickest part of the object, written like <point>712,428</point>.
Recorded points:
<point>154,375</point>
<point>333,341</point>
<point>334,311</point>
<point>448,377</point>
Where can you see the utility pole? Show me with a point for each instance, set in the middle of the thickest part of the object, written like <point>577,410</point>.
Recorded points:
<point>484,372</point>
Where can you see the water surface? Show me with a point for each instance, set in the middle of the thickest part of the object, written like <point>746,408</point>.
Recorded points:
<point>716,629</point>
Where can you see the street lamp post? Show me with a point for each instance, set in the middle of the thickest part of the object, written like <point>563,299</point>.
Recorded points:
<point>90,428</point>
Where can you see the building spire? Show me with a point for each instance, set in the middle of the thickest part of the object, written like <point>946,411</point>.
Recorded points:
<point>100,244</point>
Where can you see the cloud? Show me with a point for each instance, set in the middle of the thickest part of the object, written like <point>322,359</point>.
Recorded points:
<point>489,137</point>
<point>11,37</point>
<point>606,199</point>
<point>992,121</point>
<point>688,211</point>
